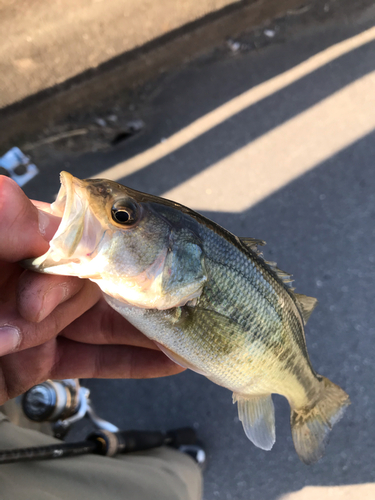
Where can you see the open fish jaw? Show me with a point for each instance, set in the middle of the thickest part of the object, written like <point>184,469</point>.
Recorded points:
<point>73,245</point>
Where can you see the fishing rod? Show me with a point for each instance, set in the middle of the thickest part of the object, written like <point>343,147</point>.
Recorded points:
<point>65,402</point>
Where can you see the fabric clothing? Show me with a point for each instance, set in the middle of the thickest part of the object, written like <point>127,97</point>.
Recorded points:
<point>158,474</point>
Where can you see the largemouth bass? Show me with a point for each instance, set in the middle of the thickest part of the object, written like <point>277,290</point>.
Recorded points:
<point>206,297</point>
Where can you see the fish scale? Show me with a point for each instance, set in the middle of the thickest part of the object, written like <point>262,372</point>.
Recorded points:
<point>206,297</point>
<point>214,338</point>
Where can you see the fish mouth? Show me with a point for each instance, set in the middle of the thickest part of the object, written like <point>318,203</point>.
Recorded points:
<point>72,206</point>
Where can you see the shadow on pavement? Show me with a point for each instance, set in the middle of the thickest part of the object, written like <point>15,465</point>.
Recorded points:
<point>253,122</point>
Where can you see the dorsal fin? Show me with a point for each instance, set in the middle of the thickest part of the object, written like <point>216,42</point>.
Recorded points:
<point>306,305</point>
<point>253,244</point>
<point>285,277</point>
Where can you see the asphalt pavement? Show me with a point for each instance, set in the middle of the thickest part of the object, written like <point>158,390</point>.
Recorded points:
<point>277,143</point>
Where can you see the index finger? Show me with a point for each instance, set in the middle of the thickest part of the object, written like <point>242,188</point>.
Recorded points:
<point>25,230</point>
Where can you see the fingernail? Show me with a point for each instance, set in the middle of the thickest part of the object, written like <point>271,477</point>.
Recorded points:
<point>43,223</point>
<point>51,299</point>
<point>9,339</point>
<point>48,224</point>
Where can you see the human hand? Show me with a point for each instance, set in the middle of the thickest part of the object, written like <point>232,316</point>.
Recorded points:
<point>58,326</point>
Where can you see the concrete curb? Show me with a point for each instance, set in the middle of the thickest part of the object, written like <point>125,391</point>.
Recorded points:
<point>29,116</point>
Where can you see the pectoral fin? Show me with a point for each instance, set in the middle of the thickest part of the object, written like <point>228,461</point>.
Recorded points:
<point>179,360</point>
<point>257,415</point>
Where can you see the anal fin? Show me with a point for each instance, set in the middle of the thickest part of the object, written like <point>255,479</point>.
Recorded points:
<point>257,415</point>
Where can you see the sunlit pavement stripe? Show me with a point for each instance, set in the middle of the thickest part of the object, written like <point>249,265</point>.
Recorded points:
<point>268,163</point>
<point>235,105</point>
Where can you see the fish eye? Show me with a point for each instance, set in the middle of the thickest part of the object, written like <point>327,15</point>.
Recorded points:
<point>125,212</point>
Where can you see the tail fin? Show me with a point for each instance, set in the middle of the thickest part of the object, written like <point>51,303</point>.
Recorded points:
<point>311,426</point>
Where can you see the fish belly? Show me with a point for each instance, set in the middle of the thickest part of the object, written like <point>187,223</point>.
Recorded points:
<point>217,347</point>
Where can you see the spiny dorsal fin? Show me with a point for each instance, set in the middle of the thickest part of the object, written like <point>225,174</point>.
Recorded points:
<point>306,305</point>
<point>253,244</point>
<point>282,275</point>
<point>285,277</point>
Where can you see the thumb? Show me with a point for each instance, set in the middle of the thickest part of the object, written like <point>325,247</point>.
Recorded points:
<point>24,229</point>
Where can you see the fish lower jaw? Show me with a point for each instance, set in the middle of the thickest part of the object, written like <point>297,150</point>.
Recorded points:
<point>56,265</point>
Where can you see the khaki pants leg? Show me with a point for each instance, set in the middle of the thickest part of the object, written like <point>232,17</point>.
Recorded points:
<point>159,474</point>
